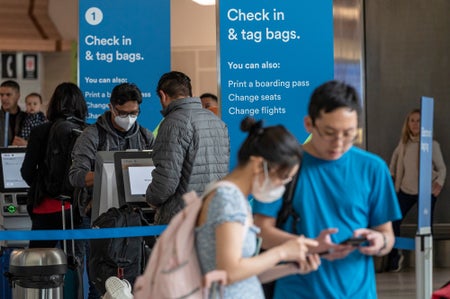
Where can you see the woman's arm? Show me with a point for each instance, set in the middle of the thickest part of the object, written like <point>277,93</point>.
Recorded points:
<point>439,169</point>
<point>271,235</point>
<point>229,241</point>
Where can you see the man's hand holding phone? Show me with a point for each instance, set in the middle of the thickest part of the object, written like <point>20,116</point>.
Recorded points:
<point>341,250</point>
<point>354,241</point>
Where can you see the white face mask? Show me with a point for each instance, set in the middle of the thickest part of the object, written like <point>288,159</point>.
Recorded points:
<point>125,122</point>
<point>266,192</point>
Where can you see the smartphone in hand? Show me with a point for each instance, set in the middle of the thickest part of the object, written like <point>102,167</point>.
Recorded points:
<point>354,241</point>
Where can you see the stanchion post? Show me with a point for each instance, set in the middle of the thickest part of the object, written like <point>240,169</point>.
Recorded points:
<point>424,266</point>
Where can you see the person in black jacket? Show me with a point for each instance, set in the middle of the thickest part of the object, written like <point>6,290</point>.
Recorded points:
<point>9,96</point>
<point>67,104</point>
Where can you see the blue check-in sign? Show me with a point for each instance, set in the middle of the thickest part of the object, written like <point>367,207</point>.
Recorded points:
<point>123,41</point>
<point>272,56</point>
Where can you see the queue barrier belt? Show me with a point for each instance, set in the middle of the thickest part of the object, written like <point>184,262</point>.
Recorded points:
<point>82,234</point>
<point>120,232</point>
<point>405,243</point>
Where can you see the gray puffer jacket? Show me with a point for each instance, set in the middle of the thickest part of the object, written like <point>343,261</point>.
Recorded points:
<point>191,149</point>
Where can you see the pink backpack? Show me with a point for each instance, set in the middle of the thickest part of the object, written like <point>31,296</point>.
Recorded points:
<point>174,270</point>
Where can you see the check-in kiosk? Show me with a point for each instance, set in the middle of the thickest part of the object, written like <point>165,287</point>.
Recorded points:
<point>13,193</point>
<point>121,177</point>
<point>133,175</point>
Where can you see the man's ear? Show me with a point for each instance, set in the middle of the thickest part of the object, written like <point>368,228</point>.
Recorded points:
<point>163,98</point>
<point>307,121</point>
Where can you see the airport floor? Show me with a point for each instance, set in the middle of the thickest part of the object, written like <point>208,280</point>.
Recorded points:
<point>402,285</point>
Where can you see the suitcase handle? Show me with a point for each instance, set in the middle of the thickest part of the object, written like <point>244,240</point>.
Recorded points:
<point>65,199</point>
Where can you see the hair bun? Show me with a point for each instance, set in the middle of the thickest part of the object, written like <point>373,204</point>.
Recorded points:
<point>249,124</point>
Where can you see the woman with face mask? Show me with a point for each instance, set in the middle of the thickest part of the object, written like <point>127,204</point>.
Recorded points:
<point>226,238</point>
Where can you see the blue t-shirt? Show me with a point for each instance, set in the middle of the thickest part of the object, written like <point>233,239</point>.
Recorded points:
<point>355,191</point>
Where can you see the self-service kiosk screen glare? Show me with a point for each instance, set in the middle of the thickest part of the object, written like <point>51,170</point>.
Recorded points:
<point>139,178</point>
<point>133,174</point>
<point>11,162</point>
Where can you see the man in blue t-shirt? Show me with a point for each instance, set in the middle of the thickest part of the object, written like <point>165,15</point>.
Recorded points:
<point>342,192</point>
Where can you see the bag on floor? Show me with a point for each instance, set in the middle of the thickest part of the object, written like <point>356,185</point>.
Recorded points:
<point>442,293</point>
<point>121,257</point>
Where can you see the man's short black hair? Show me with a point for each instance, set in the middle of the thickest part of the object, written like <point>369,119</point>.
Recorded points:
<point>209,95</point>
<point>175,85</point>
<point>125,92</point>
<point>331,96</point>
<point>11,83</point>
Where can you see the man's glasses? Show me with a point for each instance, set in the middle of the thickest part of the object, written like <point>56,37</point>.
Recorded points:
<point>124,114</point>
<point>332,136</point>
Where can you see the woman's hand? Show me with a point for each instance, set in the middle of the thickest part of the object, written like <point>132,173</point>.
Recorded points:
<point>311,263</point>
<point>298,250</point>
<point>436,189</point>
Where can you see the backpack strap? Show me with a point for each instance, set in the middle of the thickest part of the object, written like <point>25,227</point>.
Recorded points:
<point>214,185</point>
<point>101,135</point>
<point>287,209</point>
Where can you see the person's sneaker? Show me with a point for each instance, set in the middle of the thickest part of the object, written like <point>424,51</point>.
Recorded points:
<point>396,263</point>
<point>117,288</point>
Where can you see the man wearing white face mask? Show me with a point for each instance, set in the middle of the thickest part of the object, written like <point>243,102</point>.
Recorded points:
<point>115,130</point>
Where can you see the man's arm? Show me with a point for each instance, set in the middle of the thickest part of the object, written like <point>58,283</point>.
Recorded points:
<point>169,153</point>
<point>83,158</point>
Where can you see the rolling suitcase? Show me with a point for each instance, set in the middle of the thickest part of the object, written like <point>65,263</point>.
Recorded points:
<point>73,280</point>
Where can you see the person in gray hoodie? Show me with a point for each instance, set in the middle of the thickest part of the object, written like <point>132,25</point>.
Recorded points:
<point>192,147</point>
<point>115,130</point>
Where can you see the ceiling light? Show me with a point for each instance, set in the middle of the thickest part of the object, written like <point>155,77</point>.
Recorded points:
<point>205,2</point>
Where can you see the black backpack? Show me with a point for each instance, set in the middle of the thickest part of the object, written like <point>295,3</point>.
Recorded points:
<point>61,139</point>
<point>121,257</point>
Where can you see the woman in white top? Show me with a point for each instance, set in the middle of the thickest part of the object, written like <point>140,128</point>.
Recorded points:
<point>404,169</point>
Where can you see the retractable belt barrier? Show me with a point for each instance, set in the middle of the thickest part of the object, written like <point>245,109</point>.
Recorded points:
<point>120,232</point>
<point>405,243</point>
<point>82,234</point>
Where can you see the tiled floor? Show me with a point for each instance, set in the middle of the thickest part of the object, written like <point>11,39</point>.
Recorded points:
<point>402,285</point>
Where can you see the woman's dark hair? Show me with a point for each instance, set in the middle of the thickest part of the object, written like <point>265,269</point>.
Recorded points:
<point>275,144</point>
<point>125,92</point>
<point>67,100</point>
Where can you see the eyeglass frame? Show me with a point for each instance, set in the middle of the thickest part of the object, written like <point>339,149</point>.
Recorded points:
<point>124,114</point>
<point>332,137</point>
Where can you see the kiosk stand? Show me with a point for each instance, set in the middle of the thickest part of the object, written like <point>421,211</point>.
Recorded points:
<point>13,194</point>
